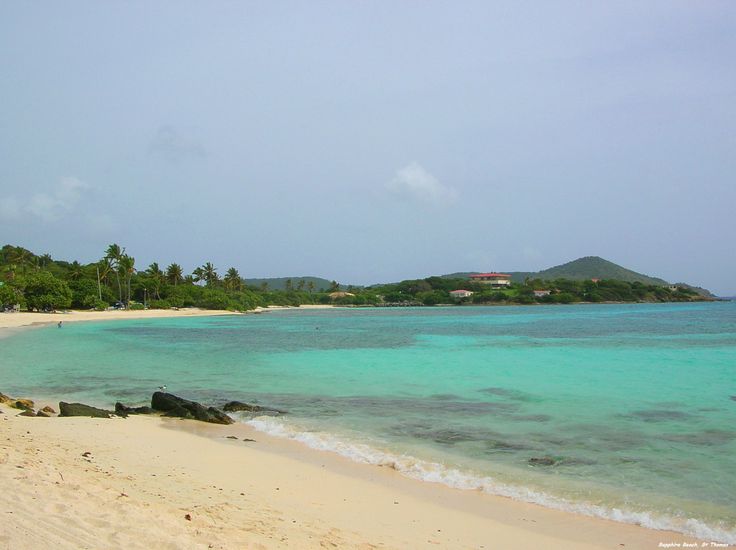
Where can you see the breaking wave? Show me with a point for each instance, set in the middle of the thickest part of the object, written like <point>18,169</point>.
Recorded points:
<point>437,473</point>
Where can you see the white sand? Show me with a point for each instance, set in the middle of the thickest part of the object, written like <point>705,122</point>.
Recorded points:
<point>141,479</point>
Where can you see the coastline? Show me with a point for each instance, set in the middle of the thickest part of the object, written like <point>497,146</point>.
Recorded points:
<point>266,493</point>
<point>23,319</point>
<point>175,467</point>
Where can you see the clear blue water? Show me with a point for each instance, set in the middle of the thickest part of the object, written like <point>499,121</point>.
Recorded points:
<point>632,402</point>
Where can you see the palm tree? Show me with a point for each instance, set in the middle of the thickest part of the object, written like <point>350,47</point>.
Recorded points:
<point>264,286</point>
<point>174,274</point>
<point>198,275</point>
<point>310,286</point>
<point>114,254</point>
<point>44,260</point>
<point>126,268</point>
<point>156,277</point>
<point>300,284</point>
<point>232,279</point>
<point>21,257</point>
<point>76,271</point>
<point>209,274</point>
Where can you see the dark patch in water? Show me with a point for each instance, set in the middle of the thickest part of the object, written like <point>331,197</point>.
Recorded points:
<point>660,415</point>
<point>450,436</point>
<point>501,446</point>
<point>443,436</point>
<point>707,438</point>
<point>509,394</point>
<point>577,461</point>
<point>532,417</point>
<point>559,461</point>
<point>543,461</point>
<point>445,396</point>
<point>733,398</point>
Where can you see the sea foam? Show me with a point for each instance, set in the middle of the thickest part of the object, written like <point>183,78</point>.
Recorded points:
<point>452,477</point>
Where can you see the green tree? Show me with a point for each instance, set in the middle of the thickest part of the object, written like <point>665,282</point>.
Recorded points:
<point>10,296</point>
<point>209,274</point>
<point>76,271</point>
<point>156,278</point>
<point>43,292</point>
<point>334,286</point>
<point>44,261</point>
<point>126,268</point>
<point>113,255</point>
<point>232,280</point>
<point>174,274</point>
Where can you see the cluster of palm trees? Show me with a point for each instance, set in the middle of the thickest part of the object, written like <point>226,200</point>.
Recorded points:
<point>20,260</point>
<point>123,266</point>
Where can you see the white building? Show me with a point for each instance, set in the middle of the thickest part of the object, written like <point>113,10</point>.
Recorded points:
<point>460,293</point>
<point>496,280</point>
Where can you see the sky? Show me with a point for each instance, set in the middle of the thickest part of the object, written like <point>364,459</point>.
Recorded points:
<point>373,141</point>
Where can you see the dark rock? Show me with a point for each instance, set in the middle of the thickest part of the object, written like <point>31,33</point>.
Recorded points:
<point>123,410</point>
<point>79,409</point>
<point>5,399</point>
<point>249,440</point>
<point>236,406</point>
<point>27,412</point>
<point>24,404</point>
<point>49,410</point>
<point>542,461</point>
<point>231,436</point>
<point>179,407</point>
<point>733,397</point>
<point>43,414</point>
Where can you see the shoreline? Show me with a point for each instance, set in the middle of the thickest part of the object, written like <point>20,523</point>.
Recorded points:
<point>25,319</point>
<point>270,493</point>
<point>463,518</point>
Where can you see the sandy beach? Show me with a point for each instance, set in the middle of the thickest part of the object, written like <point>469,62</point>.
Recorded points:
<point>151,482</point>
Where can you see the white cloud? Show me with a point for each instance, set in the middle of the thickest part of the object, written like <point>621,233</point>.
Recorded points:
<point>62,200</point>
<point>415,183</point>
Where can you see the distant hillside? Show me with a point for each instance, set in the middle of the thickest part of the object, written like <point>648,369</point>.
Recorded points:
<point>593,267</point>
<point>589,267</point>
<point>279,283</point>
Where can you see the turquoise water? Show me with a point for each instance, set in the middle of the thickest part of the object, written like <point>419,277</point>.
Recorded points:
<point>631,402</point>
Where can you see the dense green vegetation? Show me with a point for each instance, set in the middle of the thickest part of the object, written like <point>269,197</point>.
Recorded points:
<point>41,283</point>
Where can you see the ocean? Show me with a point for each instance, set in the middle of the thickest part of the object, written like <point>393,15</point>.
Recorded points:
<point>626,412</point>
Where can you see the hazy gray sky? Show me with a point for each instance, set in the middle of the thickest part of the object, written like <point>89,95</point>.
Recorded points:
<point>373,141</point>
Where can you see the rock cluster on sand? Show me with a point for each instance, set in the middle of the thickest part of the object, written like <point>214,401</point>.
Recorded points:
<point>172,405</point>
<point>161,402</point>
<point>25,405</point>
<point>122,410</point>
<point>80,409</point>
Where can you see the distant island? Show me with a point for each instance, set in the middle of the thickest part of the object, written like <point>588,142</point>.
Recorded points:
<point>41,283</point>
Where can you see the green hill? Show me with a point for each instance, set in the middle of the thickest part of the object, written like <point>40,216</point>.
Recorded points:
<point>589,267</point>
<point>593,267</point>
